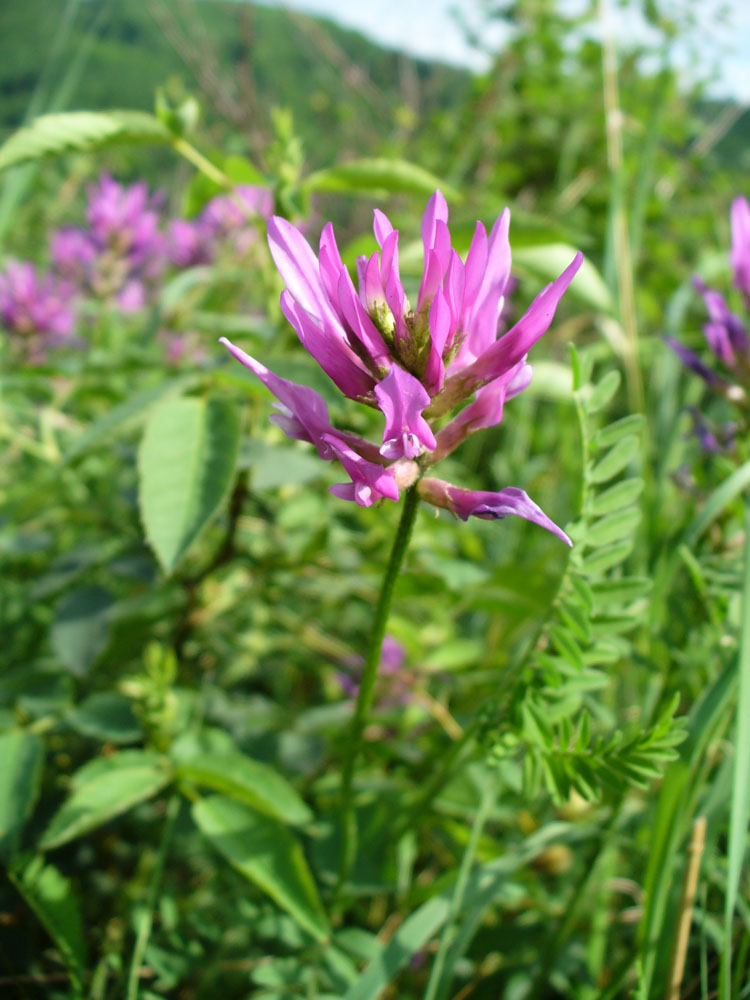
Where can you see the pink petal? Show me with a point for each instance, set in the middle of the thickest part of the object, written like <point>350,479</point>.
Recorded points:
<point>305,414</point>
<point>510,348</point>
<point>298,266</point>
<point>329,348</point>
<point>402,398</point>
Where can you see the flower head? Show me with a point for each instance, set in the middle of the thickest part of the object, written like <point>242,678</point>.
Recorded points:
<point>121,252</point>
<point>415,363</point>
<point>727,368</point>
<point>36,310</point>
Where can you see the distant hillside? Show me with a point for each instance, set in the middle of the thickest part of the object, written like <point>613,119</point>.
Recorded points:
<point>240,58</point>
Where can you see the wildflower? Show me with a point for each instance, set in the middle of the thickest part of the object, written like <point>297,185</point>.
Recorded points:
<point>122,252</point>
<point>390,668</point>
<point>188,243</point>
<point>727,368</point>
<point>37,311</point>
<point>416,364</point>
<point>232,218</point>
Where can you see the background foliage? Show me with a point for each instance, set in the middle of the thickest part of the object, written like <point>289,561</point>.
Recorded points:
<point>180,594</point>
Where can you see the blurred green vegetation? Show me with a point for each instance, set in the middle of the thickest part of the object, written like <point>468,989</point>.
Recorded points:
<point>166,733</point>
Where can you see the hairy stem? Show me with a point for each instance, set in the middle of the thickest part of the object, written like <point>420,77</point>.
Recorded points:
<point>367,684</point>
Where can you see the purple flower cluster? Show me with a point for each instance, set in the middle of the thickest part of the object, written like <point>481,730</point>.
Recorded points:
<point>727,336</point>
<point>228,221</point>
<point>118,258</point>
<point>414,363</point>
<point>36,310</point>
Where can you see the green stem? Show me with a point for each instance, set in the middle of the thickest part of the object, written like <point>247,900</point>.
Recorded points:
<point>194,156</point>
<point>147,919</point>
<point>437,985</point>
<point>367,684</point>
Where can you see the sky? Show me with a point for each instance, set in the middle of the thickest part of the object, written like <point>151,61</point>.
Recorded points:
<point>428,28</point>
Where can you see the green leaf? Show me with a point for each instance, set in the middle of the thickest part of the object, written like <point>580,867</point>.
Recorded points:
<point>415,932</point>
<point>614,461</point>
<point>186,464</point>
<point>740,805</point>
<point>267,854</point>
<point>127,415</point>
<point>107,764</point>
<point>20,776</point>
<point>81,627</point>
<point>615,593</point>
<point>106,716</point>
<point>603,392</point>
<point>606,558</point>
<point>248,781</point>
<point>378,175</point>
<point>549,260</point>
<point>613,527</point>
<point>620,495</point>
<point>612,433</point>
<point>566,645</point>
<point>78,132</point>
<point>51,897</point>
<point>111,791</point>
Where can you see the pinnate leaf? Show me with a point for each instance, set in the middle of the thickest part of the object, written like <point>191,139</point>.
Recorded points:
<point>79,132</point>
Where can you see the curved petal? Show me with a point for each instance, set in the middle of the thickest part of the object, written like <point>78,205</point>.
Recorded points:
<point>488,506</point>
<point>329,348</point>
<point>370,482</point>
<point>298,266</point>
<point>304,416</point>
<point>402,398</point>
<point>511,348</point>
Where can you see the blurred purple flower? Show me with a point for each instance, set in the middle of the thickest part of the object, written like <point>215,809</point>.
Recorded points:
<point>182,347</point>
<point>413,364</point>
<point>122,252</point>
<point>727,368</point>
<point>188,243</point>
<point>37,310</point>
<point>233,218</point>
<point>740,252</point>
<point>392,658</point>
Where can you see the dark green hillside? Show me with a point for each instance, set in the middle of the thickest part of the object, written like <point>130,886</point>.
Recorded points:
<point>242,59</point>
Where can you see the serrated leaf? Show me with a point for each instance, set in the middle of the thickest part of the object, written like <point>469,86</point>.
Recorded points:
<point>612,433</point>
<point>52,899</point>
<point>78,132</point>
<point>603,392</point>
<point>614,461</point>
<point>613,527</point>
<point>246,780</point>
<point>186,464</point>
<point>20,776</point>
<point>109,793</point>
<point>267,854</point>
<point>606,558</point>
<point>376,175</point>
<point>620,495</point>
